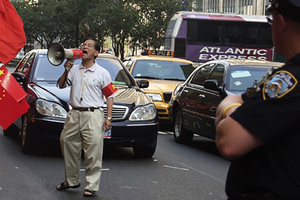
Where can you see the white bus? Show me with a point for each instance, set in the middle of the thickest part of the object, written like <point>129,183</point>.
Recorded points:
<point>202,37</point>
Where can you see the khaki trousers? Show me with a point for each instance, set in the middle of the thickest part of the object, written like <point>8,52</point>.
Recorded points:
<point>83,130</point>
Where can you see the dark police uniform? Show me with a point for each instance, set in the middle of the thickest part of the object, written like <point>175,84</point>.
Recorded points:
<point>273,115</point>
<point>272,171</point>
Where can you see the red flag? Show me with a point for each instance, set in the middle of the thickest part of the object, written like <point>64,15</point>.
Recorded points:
<point>12,35</point>
<point>12,99</point>
<point>109,90</point>
<point>9,83</point>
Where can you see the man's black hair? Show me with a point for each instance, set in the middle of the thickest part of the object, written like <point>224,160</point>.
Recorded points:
<point>96,45</point>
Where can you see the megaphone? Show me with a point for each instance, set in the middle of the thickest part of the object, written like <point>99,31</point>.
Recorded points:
<point>56,54</point>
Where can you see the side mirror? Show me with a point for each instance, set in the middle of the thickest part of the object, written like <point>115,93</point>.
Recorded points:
<point>211,84</point>
<point>21,79</point>
<point>143,83</point>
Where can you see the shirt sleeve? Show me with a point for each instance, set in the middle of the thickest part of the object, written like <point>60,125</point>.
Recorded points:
<point>109,88</point>
<point>267,119</point>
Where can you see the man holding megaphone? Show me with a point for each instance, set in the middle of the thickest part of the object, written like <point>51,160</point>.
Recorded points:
<point>85,123</point>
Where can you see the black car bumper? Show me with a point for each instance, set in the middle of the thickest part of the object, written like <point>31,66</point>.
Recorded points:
<point>124,134</point>
<point>130,134</point>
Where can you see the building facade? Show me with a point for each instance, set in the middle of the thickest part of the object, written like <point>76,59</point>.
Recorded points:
<point>246,7</point>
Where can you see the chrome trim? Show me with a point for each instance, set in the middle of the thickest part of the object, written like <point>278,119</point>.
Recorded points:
<point>118,112</point>
<point>142,124</point>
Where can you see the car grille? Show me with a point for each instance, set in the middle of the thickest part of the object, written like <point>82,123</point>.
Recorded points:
<point>167,96</point>
<point>118,112</point>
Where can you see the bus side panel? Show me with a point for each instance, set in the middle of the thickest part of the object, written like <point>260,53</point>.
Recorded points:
<point>202,53</point>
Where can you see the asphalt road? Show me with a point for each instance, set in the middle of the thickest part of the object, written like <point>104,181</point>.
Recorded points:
<point>176,172</point>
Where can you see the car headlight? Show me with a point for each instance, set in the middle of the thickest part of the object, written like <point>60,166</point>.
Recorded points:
<point>50,109</point>
<point>147,112</point>
<point>154,96</point>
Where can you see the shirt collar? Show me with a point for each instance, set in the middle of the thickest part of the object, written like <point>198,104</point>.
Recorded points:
<point>92,68</point>
<point>294,60</point>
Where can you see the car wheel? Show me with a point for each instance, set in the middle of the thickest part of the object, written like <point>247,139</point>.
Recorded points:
<point>181,135</point>
<point>26,144</point>
<point>12,130</point>
<point>144,151</point>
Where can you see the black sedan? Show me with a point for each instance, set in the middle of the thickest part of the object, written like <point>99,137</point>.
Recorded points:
<point>135,118</point>
<point>194,103</point>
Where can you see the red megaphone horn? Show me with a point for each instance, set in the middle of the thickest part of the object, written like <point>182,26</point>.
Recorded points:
<point>57,54</point>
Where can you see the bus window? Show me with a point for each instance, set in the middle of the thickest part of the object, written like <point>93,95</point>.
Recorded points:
<point>234,32</point>
<point>212,33</point>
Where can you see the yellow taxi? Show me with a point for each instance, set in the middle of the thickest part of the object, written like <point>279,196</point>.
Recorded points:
<point>164,73</point>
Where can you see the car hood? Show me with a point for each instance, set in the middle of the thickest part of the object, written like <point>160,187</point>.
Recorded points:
<point>124,95</point>
<point>50,92</point>
<point>161,85</point>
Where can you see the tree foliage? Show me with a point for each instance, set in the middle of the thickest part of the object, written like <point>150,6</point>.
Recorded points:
<point>70,21</point>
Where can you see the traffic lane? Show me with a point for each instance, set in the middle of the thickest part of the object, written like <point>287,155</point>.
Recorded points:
<point>176,171</point>
<point>206,169</point>
<point>24,176</point>
<point>193,172</point>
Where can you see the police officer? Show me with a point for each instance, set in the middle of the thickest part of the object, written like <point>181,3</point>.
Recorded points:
<point>261,134</point>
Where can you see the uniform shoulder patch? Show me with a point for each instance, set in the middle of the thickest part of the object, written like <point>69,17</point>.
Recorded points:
<point>279,84</point>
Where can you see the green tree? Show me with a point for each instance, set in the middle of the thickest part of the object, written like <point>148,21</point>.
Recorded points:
<point>117,17</point>
<point>70,21</point>
<point>155,16</point>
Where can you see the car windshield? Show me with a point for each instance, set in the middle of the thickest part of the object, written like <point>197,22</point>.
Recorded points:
<point>155,69</point>
<point>242,77</point>
<point>48,72</point>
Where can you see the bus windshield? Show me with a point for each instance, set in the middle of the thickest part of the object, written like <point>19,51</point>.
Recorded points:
<point>202,37</point>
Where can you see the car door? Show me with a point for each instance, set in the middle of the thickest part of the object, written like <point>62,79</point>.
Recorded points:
<point>200,104</point>
<point>210,100</point>
<point>192,97</point>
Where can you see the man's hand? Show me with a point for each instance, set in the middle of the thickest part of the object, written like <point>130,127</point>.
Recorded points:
<point>62,82</point>
<point>69,64</point>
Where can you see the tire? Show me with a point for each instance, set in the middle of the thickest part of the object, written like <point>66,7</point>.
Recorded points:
<point>12,130</point>
<point>144,151</point>
<point>26,143</point>
<point>181,135</point>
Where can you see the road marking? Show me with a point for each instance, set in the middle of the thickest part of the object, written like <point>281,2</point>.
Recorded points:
<point>184,169</point>
<point>202,172</point>
<point>83,170</point>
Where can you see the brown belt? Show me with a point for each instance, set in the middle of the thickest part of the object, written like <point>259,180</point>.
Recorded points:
<point>85,109</point>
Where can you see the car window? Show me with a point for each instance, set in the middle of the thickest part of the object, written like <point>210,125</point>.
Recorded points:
<point>162,70</point>
<point>117,73</point>
<point>45,71</point>
<point>218,74</point>
<point>202,74</point>
<point>48,72</point>
<point>242,77</point>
